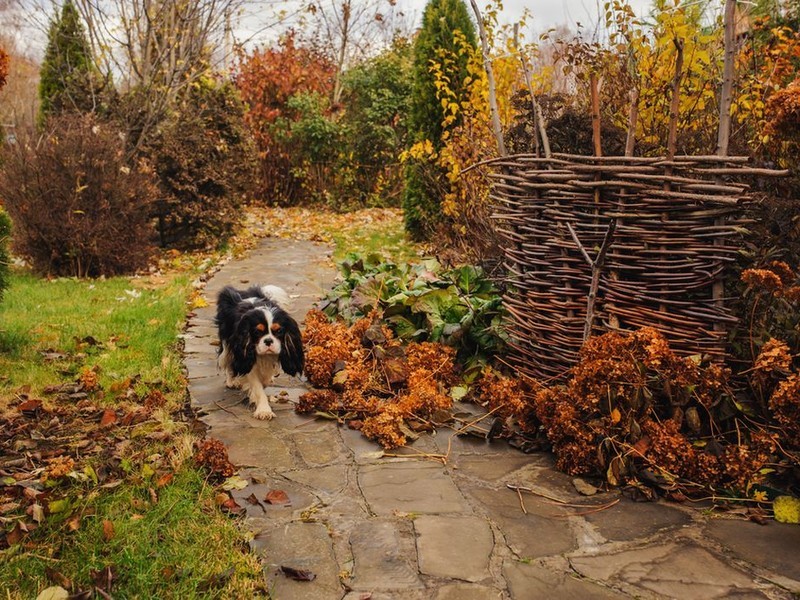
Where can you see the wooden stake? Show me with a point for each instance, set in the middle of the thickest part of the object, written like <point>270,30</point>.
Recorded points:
<point>487,65</point>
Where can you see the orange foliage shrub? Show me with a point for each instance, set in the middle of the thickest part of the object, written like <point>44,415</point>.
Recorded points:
<point>267,79</point>
<point>3,67</point>
<point>384,388</point>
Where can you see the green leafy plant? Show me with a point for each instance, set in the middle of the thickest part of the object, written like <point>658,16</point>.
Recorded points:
<point>459,307</point>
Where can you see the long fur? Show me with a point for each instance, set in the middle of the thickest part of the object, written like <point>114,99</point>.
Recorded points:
<point>257,334</point>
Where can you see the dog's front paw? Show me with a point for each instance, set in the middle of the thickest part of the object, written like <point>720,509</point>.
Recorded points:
<point>264,414</point>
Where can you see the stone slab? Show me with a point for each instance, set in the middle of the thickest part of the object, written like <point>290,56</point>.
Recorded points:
<point>467,591</point>
<point>539,533</point>
<point>410,487</point>
<point>328,480</point>
<point>299,499</point>
<point>304,546</point>
<point>384,556</point>
<point>457,547</point>
<point>675,570</point>
<point>491,468</point>
<point>254,447</point>
<point>535,582</point>
<point>319,447</point>
<point>773,547</point>
<point>628,520</point>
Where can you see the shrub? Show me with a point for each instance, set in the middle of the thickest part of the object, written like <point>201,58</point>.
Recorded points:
<point>267,79</point>
<point>204,160</point>
<point>311,141</point>
<point>78,207</point>
<point>376,96</point>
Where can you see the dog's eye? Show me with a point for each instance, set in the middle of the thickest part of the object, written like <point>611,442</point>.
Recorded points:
<point>261,327</point>
<point>276,328</point>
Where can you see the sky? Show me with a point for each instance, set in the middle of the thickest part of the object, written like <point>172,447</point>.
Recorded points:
<point>546,13</point>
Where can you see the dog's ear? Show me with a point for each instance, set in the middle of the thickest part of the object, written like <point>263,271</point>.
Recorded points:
<point>292,357</point>
<point>243,348</point>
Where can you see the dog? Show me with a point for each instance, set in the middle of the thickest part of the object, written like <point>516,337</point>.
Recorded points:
<point>256,334</point>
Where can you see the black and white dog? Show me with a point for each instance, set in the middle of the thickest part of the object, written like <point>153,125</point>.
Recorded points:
<point>256,333</point>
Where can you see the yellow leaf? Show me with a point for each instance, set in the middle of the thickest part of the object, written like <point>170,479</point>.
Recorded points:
<point>615,416</point>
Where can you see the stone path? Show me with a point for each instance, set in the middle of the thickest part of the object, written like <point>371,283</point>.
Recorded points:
<point>407,528</point>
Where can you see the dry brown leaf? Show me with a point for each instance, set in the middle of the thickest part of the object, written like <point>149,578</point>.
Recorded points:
<point>108,530</point>
<point>277,497</point>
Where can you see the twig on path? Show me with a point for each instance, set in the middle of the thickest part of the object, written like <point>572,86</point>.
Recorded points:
<point>594,509</point>
<point>519,488</point>
<point>521,502</point>
<point>420,454</point>
<point>230,412</point>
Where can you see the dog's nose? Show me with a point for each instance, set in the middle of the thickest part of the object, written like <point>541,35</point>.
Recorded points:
<point>268,341</point>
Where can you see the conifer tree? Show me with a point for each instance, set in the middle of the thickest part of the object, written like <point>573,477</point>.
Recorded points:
<point>440,21</point>
<point>67,80</point>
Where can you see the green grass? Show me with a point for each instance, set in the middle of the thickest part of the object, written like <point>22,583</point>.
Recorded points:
<point>43,325</point>
<point>180,547</point>
<point>386,238</point>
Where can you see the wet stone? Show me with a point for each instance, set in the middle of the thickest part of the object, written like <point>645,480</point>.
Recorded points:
<point>253,499</point>
<point>466,591</point>
<point>628,520</point>
<point>674,570</point>
<point>410,487</point>
<point>454,547</point>
<point>384,556</point>
<point>491,468</point>
<point>305,546</point>
<point>364,451</point>
<point>329,480</point>
<point>534,582</point>
<point>773,547</point>
<point>319,447</point>
<point>252,447</point>
<point>538,533</point>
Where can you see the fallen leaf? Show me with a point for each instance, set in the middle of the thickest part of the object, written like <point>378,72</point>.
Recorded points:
<point>37,512</point>
<point>55,592</point>
<point>74,523</point>
<point>232,507</point>
<point>584,487</point>
<point>57,506</point>
<point>277,497</point>
<point>252,499</point>
<point>104,578</point>
<point>616,416</point>
<point>15,536</point>
<point>165,479</point>
<point>29,407</point>
<point>234,483</point>
<point>757,515</point>
<point>297,574</point>
<point>108,530</point>
<point>109,418</point>
<point>9,507</point>
<point>58,578</point>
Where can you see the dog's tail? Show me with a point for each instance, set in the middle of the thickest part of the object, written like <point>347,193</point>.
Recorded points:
<point>277,295</point>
